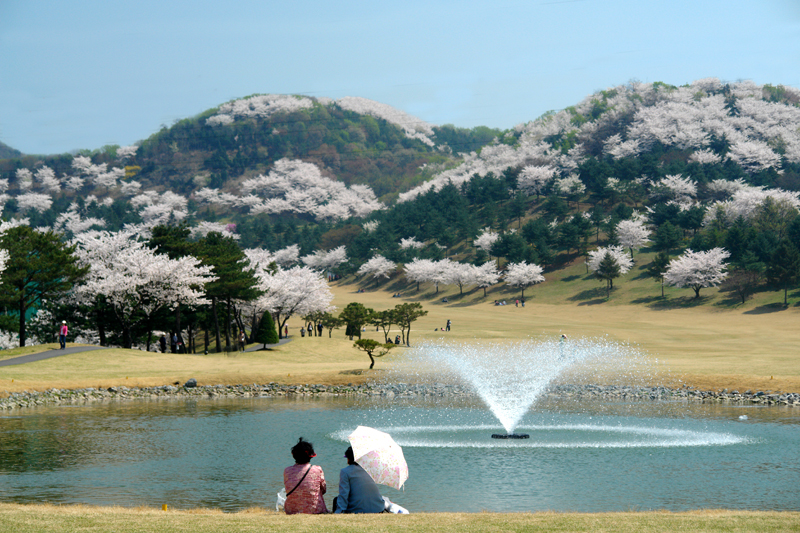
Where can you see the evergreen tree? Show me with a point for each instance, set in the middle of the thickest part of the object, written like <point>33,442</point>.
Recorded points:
<point>608,270</point>
<point>40,267</point>
<point>667,237</point>
<point>266,333</point>
<point>783,269</point>
<point>657,268</point>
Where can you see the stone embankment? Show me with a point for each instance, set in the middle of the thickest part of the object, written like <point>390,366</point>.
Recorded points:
<point>398,390</point>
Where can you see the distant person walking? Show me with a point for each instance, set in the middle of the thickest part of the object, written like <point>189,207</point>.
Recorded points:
<point>302,332</point>
<point>242,341</point>
<point>448,324</point>
<point>174,343</point>
<point>162,343</point>
<point>62,334</point>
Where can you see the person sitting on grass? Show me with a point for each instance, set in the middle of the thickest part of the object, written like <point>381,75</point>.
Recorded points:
<point>304,483</point>
<point>358,493</point>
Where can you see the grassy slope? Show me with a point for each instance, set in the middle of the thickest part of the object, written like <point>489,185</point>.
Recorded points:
<point>56,519</point>
<point>712,345</point>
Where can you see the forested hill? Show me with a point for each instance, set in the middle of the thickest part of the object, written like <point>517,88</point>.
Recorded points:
<point>276,171</point>
<point>7,152</point>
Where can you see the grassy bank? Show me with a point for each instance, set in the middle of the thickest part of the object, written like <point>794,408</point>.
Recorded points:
<point>57,519</point>
<point>703,346</point>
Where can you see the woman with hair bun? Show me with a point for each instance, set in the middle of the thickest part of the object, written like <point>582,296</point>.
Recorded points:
<point>304,483</point>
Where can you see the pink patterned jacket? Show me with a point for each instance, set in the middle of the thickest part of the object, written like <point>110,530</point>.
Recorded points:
<point>307,498</point>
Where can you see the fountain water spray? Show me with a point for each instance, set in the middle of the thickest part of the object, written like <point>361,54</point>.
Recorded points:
<point>510,377</point>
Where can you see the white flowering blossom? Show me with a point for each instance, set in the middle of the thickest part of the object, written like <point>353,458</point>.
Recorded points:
<point>322,260</point>
<point>124,152</point>
<point>37,202</point>
<point>203,228</point>
<point>377,267</point>
<point>705,157</point>
<point>632,234</point>
<point>486,275</point>
<point>371,226</point>
<point>596,257</point>
<point>296,291</point>
<point>746,201</point>
<point>259,106</point>
<point>297,186</point>
<point>697,269</point>
<point>24,179</point>
<point>486,239</point>
<point>413,127</point>
<point>678,187</point>
<point>523,275</point>
<point>533,179</point>
<point>411,243</point>
<point>572,184</point>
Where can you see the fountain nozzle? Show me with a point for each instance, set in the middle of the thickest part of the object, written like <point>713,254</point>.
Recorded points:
<point>510,436</point>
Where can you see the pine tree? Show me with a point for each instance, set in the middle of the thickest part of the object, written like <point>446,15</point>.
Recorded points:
<point>266,333</point>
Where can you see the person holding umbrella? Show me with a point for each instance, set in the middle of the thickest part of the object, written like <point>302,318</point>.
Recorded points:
<point>358,493</point>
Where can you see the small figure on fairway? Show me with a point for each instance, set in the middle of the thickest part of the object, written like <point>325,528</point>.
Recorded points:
<point>162,343</point>
<point>302,332</point>
<point>304,483</point>
<point>62,335</point>
<point>242,341</point>
<point>358,493</point>
<point>448,324</point>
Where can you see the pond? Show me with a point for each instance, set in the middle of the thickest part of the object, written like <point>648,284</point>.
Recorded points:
<point>230,454</point>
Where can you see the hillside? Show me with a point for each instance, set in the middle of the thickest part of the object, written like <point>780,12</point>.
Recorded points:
<point>6,152</point>
<point>705,165</point>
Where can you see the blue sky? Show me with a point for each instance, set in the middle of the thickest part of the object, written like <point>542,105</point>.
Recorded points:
<point>85,73</point>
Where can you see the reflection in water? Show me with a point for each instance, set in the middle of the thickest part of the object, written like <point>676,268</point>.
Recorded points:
<point>581,456</point>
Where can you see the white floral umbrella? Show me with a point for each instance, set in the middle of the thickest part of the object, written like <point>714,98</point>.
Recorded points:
<point>380,456</point>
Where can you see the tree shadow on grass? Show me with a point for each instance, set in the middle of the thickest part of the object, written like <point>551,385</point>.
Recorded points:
<point>684,302</point>
<point>598,293</point>
<point>769,308</point>
<point>571,278</point>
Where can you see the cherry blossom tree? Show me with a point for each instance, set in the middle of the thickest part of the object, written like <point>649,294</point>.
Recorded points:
<point>459,274</point>
<point>523,275</point>
<point>377,267</point>
<point>322,260</point>
<point>632,234</point>
<point>486,239</point>
<point>411,243</point>
<point>697,269</point>
<point>486,275</point>
<point>533,179</point>
<point>137,281</point>
<point>420,271</point>
<point>595,257</point>
<point>296,291</point>
<point>36,201</point>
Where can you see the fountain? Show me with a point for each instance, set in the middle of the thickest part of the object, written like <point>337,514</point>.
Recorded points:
<point>510,377</point>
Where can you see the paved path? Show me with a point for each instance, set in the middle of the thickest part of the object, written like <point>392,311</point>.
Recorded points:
<point>48,354</point>
<point>258,347</point>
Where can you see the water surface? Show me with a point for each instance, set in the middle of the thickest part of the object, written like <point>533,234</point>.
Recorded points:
<point>230,454</point>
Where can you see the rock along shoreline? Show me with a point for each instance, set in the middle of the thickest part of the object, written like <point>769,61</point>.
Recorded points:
<point>21,400</point>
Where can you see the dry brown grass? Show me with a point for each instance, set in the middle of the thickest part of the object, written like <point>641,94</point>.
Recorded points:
<point>58,519</point>
<point>702,346</point>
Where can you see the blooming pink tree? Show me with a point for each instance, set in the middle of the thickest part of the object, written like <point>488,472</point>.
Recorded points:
<point>135,280</point>
<point>420,271</point>
<point>486,275</point>
<point>697,269</point>
<point>523,275</point>
<point>632,234</point>
<point>322,260</point>
<point>296,291</point>
<point>460,274</point>
<point>377,267</point>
